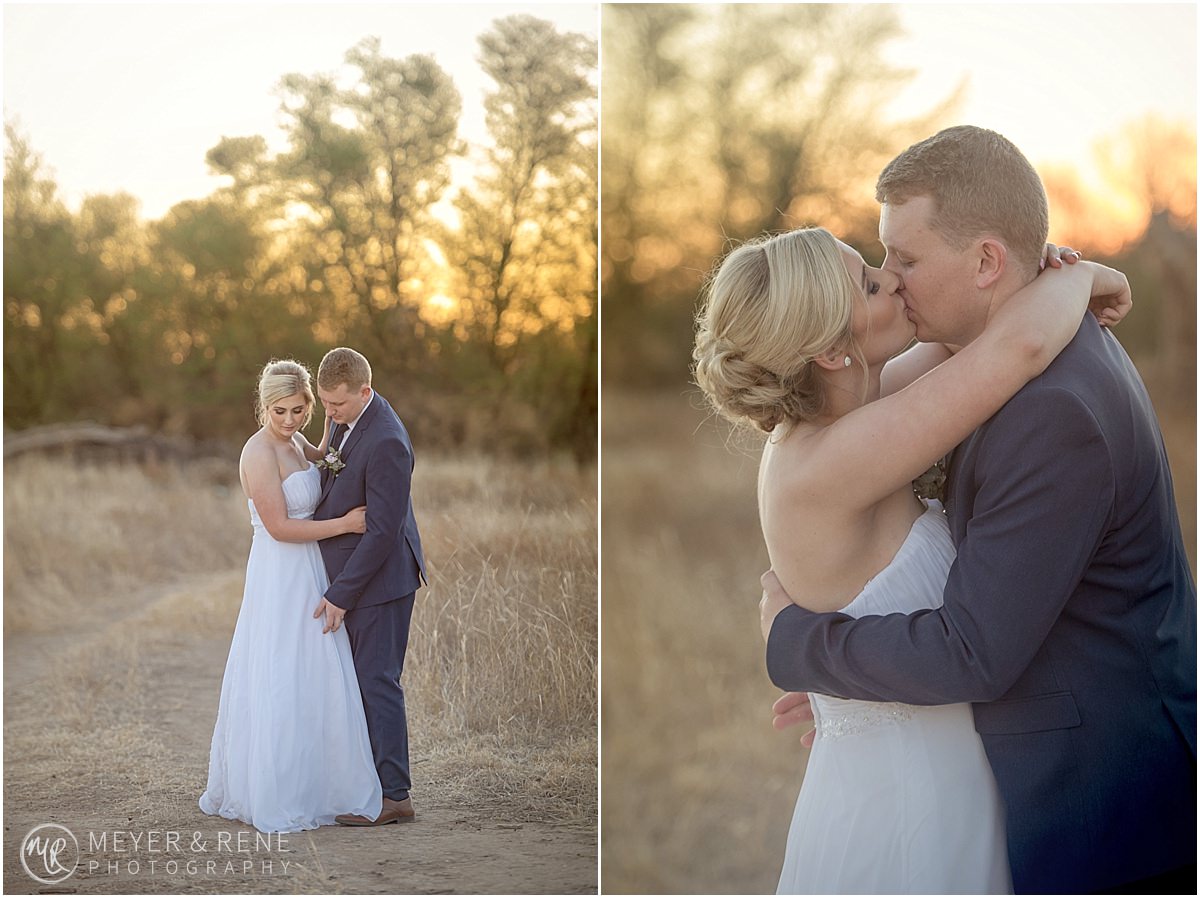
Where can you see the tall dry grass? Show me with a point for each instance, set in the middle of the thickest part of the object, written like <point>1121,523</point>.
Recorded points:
<point>502,658</point>
<point>697,787</point>
<point>113,571</point>
<point>77,534</point>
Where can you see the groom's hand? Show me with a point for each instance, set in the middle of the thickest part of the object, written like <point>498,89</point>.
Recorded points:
<point>774,599</point>
<point>333,615</point>
<point>790,709</point>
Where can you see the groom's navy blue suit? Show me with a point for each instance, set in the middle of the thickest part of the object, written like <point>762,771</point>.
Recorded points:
<point>375,575</point>
<point>1069,620</point>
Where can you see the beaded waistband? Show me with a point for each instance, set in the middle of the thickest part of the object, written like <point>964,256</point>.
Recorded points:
<point>838,726</point>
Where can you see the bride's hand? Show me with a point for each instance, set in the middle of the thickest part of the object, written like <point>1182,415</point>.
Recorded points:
<point>774,599</point>
<point>1111,297</point>
<point>356,520</point>
<point>790,709</point>
<point>1055,256</point>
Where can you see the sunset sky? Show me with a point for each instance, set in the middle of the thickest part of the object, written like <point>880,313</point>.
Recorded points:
<point>123,97</point>
<point>1051,77</point>
<point>130,97</point>
<point>1054,79</point>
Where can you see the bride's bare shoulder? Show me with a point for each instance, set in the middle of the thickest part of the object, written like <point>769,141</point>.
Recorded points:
<point>254,446</point>
<point>257,455</point>
<point>794,460</point>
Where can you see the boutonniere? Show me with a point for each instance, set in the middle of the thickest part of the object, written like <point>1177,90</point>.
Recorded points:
<point>932,484</point>
<point>332,462</point>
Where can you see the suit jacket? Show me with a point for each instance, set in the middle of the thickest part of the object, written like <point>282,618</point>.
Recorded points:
<point>386,562</point>
<point>1069,618</point>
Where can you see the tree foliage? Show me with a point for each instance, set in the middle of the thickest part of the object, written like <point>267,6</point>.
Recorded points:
<point>722,123</point>
<point>478,330</point>
<point>524,279</point>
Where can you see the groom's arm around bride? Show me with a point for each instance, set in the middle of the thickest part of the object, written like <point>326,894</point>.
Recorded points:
<point>385,480</point>
<point>385,563</point>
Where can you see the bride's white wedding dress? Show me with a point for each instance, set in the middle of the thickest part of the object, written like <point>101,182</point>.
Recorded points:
<point>290,749</point>
<point>898,798</point>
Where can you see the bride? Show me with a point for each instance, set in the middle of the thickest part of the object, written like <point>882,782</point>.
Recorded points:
<point>290,749</point>
<point>792,339</point>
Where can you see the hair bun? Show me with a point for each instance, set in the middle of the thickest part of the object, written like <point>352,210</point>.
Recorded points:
<point>745,391</point>
<point>772,306</point>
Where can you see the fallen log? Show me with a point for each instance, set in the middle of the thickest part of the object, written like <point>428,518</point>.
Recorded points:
<point>88,438</point>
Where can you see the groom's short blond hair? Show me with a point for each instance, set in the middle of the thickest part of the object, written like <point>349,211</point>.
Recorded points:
<point>980,183</point>
<point>344,366</point>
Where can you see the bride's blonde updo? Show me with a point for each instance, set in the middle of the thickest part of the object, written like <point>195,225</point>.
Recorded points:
<point>774,305</point>
<point>280,379</point>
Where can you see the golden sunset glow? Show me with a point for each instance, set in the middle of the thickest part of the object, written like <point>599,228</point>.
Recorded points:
<point>439,308</point>
<point>1084,91</point>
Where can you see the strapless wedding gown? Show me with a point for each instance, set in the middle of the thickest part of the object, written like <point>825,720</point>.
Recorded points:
<point>290,749</point>
<point>898,798</point>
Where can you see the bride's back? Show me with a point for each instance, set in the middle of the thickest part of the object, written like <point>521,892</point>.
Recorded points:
<point>823,551</point>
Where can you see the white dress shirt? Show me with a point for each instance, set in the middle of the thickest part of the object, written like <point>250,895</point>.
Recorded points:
<point>350,426</point>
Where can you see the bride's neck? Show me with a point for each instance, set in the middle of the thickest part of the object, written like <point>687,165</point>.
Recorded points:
<point>848,390</point>
<point>275,437</point>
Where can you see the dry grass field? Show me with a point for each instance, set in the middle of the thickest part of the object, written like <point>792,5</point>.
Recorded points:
<point>122,586</point>
<point>697,788</point>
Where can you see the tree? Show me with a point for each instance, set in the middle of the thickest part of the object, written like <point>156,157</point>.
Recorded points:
<point>367,162</point>
<point>1142,220</point>
<point>722,123</point>
<point>244,160</point>
<point>333,241</point>
<point>52,321</point>
<point>523,253</point>
<point>1152,163</point>
<point>523,222</point>
<point>646,131</point>
<point>110,227</point>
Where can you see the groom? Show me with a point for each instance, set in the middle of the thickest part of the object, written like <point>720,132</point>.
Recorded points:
<point>1069,616</point>
<point>374,576</point>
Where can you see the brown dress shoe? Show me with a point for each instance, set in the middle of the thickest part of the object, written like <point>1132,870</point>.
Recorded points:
<point>393,812</point>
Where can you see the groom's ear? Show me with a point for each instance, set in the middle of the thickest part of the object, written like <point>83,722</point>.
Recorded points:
<point>993,262</point>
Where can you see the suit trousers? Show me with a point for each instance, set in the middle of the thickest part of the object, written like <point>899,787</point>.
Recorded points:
<point>378,640</point>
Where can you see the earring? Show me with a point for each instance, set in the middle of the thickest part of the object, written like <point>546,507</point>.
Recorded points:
<point>846,364</point>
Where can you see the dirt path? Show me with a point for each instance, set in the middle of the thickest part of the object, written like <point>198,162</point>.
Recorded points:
<point>166,845</point>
